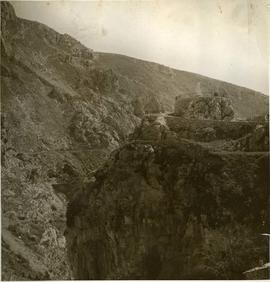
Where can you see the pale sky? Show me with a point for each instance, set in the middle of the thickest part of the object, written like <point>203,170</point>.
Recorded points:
<point>222,39</point>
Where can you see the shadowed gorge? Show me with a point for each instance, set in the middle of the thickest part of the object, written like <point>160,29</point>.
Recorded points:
<point>102,176</point>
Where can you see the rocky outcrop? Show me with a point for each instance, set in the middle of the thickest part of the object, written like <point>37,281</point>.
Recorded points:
<point>146,105</point>
<point>165,207</point>
<point>74,47</point>
<point>216,108</point>
<point>105,81</point>
<point>161,126</point>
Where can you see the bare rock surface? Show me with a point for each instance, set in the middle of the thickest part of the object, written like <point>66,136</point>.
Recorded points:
<point>215,108</point>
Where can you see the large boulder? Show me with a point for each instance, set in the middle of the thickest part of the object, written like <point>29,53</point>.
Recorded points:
<point>212,107</point>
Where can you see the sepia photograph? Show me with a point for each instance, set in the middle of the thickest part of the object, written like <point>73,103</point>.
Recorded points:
<point>135,140</point>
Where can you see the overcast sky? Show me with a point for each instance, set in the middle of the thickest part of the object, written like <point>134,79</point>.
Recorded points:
<point>223,39</point>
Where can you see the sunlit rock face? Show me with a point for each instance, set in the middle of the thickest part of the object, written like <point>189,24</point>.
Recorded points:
<point>168,207</point>
<point>216,108</point>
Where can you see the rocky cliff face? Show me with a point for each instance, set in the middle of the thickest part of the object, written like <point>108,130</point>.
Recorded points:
<point>168,207</point>
<point>64,109</point>
<point>61,116</point>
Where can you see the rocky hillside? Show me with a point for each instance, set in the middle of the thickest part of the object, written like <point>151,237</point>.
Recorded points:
<point>145,80</point>
<point>174,203</point>
<point>64,109</point>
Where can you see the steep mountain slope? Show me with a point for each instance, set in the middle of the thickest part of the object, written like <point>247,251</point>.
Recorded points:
<point>64,109</point>
<point>173,203</point>
<point>138,77</point>
<point>60,119</point>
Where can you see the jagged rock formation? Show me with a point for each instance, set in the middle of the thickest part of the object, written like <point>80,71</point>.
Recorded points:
<point>215,108</point>
<point>166,207</point>
<point>64,109</point>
